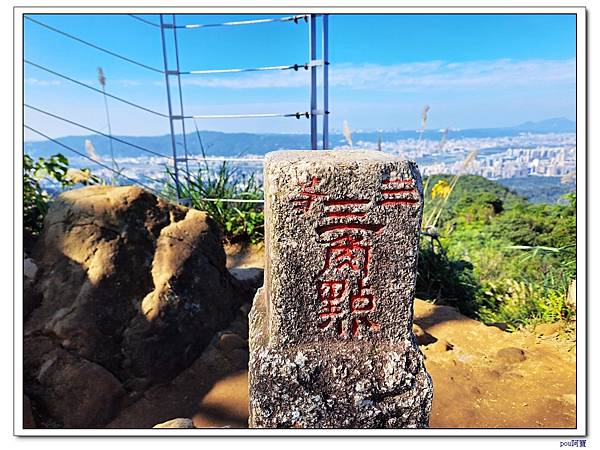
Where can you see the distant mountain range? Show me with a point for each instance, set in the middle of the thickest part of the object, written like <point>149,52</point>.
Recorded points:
<point>555,125</point>
<point>240,144</point>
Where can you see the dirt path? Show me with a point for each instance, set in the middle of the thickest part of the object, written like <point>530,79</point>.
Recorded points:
<point>483,377</point>
<point>487,378</point>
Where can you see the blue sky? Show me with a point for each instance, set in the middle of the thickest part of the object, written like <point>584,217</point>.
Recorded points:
<point>472,70</point>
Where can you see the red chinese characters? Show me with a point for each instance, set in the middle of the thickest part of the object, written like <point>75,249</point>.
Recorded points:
<point>346,301</point>
<point>345,298</point>
<point>348,251</point>
<point>308,194</point>
<point>398,192</point>
<point>331,296</point>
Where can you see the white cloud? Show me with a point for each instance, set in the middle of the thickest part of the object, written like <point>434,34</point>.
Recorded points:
<point>128,83</point>
<point>91,82</point>
<point>409,77</point>
<point>37,82</point>
<point>405,77</point>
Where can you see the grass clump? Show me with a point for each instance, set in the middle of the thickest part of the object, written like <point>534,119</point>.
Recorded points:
<point>207,191</point>
<point>518,303</point>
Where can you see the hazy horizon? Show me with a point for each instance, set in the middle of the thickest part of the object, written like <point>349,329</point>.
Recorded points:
<point>332,131</point>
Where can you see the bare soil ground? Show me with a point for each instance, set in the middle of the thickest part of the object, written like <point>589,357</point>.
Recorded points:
<point>483,377</point>
<point>487,378</point>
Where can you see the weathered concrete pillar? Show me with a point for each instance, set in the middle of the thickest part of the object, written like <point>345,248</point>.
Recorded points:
<point>331,330</point>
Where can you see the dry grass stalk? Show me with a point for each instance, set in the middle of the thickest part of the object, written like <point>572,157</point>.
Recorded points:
<point>423,122</point>
<point>424,117</point>
<point>443,138</point>
<point>90,150</point>
<point>102,81</point>
<point>101,77</point>
<point>470,157</point>
<point>347,133</point>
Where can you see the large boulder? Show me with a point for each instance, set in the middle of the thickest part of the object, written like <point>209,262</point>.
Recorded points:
<point>132,288</point>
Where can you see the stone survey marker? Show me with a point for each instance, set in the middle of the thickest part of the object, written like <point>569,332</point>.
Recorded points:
<point>331,330</point>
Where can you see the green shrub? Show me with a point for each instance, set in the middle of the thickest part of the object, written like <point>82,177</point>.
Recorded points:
<point>36,200</point>
<point>445,280</point>
<point>517,303</point>
<point>505,260</point>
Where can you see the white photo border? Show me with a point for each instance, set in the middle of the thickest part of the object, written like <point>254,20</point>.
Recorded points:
<point>582,251</point>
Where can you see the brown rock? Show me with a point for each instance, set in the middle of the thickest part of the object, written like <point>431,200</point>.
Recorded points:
<point>500,325</point>
<point>32,297</point>
<point>73,391</point>
<point>209,375</point>
<point>423,338</point>
<point>440,346</point>
<point>250,276</point>
<point>131,284</point>
<point>123,269</point>
<point>231,341</point>
<point>226,404</point>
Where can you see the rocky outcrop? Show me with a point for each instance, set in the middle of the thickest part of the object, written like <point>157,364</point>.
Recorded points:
<point>201,392</point>
<point>132,289</point>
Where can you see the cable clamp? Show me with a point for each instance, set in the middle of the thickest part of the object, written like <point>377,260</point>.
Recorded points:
<point>296,18</point>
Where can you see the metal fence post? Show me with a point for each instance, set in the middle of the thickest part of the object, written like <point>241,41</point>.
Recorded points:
<point>173,143</point>
<point>325,41</point>
<point>185,148</point>
<point>312,43</point>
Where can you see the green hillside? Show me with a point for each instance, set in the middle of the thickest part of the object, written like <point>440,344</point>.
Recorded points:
<point>494,255</point>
